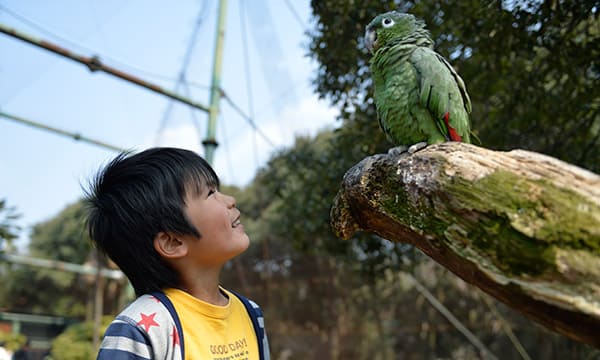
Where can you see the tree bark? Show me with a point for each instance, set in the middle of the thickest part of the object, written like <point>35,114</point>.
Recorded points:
<point>522,226</point>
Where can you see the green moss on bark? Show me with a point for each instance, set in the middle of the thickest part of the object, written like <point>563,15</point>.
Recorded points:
<point>536,208</point>
<point>513,224</point>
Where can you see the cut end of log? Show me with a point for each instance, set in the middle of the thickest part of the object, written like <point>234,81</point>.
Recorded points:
<point>344,225</point>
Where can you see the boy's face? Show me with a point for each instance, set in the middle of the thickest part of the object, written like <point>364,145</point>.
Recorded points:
<point>218,220</point>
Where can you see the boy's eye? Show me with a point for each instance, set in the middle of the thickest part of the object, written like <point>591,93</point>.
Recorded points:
<point>210,192</point>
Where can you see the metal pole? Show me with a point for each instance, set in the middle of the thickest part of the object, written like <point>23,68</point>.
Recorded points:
<point>94,64</point>
<point>210,142</point>
<point>72,135</point>
<point>61,265</point>
<point>98,302</point>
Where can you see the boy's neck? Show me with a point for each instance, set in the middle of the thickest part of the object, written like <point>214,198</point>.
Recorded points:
<point>214,297</point>
<point>204,286</point>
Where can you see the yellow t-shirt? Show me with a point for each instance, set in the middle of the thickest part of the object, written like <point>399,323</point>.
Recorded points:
<point>212,332</point>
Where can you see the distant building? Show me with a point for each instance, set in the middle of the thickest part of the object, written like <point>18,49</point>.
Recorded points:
<point>40,330</point>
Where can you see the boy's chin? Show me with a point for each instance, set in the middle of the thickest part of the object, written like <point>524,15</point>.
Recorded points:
<point>246,244</point>
<point>242,245</point>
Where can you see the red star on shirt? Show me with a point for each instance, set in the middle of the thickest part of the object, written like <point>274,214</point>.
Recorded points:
<point>175,336</point>
<point>148,321</point>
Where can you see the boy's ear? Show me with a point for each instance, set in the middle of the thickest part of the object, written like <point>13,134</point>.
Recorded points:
<point>169,245</point>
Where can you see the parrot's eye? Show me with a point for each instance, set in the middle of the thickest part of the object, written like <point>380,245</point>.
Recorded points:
<point>387,22</point>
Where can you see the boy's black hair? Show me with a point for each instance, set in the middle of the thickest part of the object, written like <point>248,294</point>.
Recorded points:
<point>135,197</point>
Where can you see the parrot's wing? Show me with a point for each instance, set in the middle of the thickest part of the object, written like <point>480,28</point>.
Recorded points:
<point>442,92</point>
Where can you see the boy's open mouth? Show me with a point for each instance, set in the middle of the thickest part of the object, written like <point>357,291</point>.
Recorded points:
<point>236,222</point>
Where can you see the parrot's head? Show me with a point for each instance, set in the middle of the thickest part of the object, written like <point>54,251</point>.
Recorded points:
<point>391,27</point>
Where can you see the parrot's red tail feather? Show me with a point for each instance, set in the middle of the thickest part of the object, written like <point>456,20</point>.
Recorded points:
<point>451,131</point>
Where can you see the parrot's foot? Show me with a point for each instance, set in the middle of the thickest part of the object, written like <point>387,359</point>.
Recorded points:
<point>397,151</point>
<point>416,147</point>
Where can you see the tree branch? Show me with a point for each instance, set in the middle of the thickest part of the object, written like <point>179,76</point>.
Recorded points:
<point>522,226</point>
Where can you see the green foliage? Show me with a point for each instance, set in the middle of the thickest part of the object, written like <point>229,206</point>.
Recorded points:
<point>8,230</point>
<point>531,67</point>
<point>75,343</point>
<point>297,188</point>
<point>11,341</point>
<point>328,298</point>
<point>63,237</point>
<point>50,291</point>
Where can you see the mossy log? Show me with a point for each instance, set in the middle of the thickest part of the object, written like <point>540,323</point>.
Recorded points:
<point>522,226</point>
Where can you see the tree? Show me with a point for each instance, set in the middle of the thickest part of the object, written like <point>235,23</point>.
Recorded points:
<point>531,68</point>
<point>52,291</point>
<point>330,299</point>
<point>8,229</point>
<point>75,343</point>
<point>62,237</point>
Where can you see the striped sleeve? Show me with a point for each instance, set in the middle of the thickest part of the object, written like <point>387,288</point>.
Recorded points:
<point>124,341</point>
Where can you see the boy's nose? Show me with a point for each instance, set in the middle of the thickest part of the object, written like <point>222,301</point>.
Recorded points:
<point>229,200</point>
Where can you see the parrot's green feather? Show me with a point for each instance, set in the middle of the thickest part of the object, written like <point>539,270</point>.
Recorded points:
<point>414,86</point>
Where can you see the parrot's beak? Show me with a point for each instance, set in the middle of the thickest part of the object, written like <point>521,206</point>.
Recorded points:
<point>370,39</point>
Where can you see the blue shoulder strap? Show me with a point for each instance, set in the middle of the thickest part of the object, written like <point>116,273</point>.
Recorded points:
<point>258,322</point>
<point>253,310</point>
<point>169,305</point>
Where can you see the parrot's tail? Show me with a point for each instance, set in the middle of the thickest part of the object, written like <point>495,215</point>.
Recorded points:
<point>473,135</point>
<point>452,134</point>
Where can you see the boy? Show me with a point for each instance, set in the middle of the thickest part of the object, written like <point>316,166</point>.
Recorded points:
<point>160,217</point>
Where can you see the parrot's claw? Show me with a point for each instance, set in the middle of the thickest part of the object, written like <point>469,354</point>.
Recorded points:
<point>397,151</point>
<point>416,147</point>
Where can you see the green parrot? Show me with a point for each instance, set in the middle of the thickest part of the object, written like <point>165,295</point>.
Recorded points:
<point>420,98</point>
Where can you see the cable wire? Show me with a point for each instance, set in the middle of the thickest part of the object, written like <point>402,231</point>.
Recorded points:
<point>507,329</point>
<point>193,114</point>
<point>227,151</point>
<point>247,118</point>
<point>295,14</point>
<point>74,136</point>
<point>485,352</point>
<point>182,75</point>
<point>269,50</point>
<point>248,76</point>
<point>112,60</point>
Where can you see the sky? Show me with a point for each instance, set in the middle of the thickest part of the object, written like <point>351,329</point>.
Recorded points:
<point>265,73</point>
